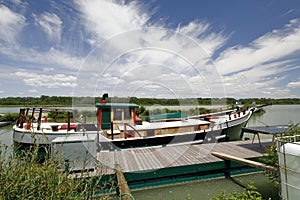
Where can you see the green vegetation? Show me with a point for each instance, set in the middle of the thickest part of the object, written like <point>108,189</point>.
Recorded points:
<point>36,101</point>
<point>250,194</point>
<point>67,101</point>
<point>272,157</point>
<point>9,117</point>
<point>27,178</point>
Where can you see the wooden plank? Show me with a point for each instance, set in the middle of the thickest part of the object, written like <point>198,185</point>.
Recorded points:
<point>134,160</point>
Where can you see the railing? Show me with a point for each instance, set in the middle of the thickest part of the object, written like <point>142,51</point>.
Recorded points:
<point>125,125</point>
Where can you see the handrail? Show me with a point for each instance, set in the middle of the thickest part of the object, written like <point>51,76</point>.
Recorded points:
<point>126,124</point>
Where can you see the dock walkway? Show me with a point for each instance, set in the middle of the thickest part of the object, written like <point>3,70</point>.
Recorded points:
<point>145,159</point>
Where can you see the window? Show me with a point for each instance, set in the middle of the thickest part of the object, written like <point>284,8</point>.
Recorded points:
<point>127,113</point>
<point>117,114</point>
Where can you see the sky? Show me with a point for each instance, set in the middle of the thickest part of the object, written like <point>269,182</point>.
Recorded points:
<point>158,48</point>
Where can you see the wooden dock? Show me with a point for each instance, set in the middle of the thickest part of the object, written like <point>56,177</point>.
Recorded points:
<point>145,159</point>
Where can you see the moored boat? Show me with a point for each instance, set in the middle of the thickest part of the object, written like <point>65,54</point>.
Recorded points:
<point>118,127</point>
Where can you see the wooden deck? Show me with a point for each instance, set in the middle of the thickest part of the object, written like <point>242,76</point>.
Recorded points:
<point>145,159</point>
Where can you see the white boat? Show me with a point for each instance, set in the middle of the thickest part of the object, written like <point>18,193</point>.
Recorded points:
<point>118,127</point>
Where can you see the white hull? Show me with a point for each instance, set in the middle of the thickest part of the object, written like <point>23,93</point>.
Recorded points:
<point>221,126</point>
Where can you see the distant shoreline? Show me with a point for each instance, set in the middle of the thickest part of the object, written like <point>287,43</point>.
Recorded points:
<point>62,101</point>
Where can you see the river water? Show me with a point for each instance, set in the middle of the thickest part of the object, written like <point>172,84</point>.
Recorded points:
<point>274,115</point>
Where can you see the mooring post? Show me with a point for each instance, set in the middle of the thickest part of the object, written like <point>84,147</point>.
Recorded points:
<point>124,190</point>
<point>227,168</point>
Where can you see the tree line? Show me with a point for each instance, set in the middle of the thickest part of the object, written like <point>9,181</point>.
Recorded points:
<point>69,101</point>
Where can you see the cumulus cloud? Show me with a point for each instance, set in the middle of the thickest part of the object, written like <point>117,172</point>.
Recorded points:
<point>130,53</point>
<point>132,47</point>
<point>51,24</point>
<point>106,18</point>
<point>11,24</point>
<point>48,81</point>
<point>293,84</point>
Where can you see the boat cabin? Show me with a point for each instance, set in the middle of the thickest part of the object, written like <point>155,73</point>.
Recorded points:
<point>115,113</point>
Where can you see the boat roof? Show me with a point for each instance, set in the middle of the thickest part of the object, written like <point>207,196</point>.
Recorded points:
<point>116,105</point>
<point>167,124</point>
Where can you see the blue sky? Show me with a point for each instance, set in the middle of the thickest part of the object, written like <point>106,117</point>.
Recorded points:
<point>163,48</point>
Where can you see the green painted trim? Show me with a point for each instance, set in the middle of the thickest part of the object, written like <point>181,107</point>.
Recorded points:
<point>176,115</point>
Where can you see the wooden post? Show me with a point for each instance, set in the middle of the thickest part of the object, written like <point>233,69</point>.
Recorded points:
<point>124,190</point>
<point>39,119</point>
<point>19,122</point>
<point>55,114</point>
<point>244,161</point>
<point>99,119</point>
<point>227,168</point>
<point>112,129</point>
<point>68,120</point>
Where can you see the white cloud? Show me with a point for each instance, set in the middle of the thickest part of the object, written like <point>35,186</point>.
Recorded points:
<point>107,18</point>
<point>11,24</point>
<point>53,57</point>
<point>200,31</point>
<point>33,91</point>
<point>268,48</point>
<point>48,69</point>
<point>150,50</point>
<point>140,55</point>
<point>260,68</point>
<point>51,24</point>
<point>48,81</point>
<point>293,84</point>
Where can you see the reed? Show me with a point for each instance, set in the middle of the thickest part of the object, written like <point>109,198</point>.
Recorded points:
<point>27,178</point>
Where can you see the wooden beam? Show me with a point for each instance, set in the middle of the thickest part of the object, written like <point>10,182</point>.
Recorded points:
<point>124,190</point>
<point>244,161</point>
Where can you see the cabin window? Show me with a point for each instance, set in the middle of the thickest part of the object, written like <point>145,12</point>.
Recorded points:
<point>127,113</point>
<point>117,114</point>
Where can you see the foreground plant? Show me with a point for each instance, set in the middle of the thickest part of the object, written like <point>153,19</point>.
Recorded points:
<point>27,178</point>
<point>251,193</point>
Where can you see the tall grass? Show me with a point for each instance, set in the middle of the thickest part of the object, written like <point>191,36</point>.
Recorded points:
<point>27,178</point>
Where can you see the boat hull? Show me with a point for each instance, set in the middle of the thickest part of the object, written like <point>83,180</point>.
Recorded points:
<point>25,139</point>
<point>234,128</point>
<point>143,142</point>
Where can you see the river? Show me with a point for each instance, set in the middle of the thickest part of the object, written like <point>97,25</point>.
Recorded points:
<point>274,115</point>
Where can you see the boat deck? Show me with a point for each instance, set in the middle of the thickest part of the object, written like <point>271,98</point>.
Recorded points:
<point>145,159</point>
